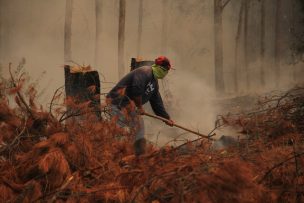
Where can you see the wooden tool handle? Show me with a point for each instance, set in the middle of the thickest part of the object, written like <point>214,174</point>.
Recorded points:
<point>176,125</point>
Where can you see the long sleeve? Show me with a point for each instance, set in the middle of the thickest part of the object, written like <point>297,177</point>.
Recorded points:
<point>158,105</point>
<point>137,86</point>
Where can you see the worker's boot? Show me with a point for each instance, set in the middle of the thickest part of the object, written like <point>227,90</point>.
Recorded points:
<point>140,146</point>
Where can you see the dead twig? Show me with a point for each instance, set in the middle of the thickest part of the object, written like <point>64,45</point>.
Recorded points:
<point>225,4</point>
<point>148,182</point>
<point>67,182</point>
<point>19,94</point>
<point>298,194</point>
<point>53,98</point>
<point>66,116</point>
<point>217,125</point>
<point>14,140</point>
<point>278,165</point>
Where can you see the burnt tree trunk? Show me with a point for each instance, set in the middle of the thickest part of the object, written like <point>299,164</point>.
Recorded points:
<point>82,87</point>
<point>98,16</point>
<point>165,10</point>
<point>121,37</point>
<point>68,31</point>
<point>236,49</point>
<point>218,47</point>
<point>139,28</point>
<point>246,10</point>
<point>277,42</point>
<point>5,30</point>
<point>293,31</point>
<point>1,34</point>
<point>262,41</point>
<point>219,6</point>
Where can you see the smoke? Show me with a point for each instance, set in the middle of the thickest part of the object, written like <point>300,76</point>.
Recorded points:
<point>34,29</point>
<point>193,100</point>
<point>190,102</point>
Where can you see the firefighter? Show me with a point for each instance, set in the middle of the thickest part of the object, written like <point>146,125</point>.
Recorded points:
<point>135,89</point>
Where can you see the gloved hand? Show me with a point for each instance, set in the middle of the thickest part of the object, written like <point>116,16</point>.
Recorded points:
<point>140,110</point>
<point>169,122</point>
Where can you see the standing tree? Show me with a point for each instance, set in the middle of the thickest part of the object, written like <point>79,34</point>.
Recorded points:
<point>277,42</point>
<point>68,31</point>
<point>81,84</point>
<point>121,37</point>
<point>262,41</point>
<point>164,27</point>
<point>139,28</point>
<point>236,49</point>
<point>1,33</point>
<point>6,30</point>
<point>98,15</point>
<point>246,10</point>
<point>297,32</point>
<point>294,41</point>
<point>219,6</point>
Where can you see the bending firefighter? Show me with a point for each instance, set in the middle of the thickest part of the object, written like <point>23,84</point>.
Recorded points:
<point>132,91</point>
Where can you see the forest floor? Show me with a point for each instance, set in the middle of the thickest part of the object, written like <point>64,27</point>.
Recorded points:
<point>46,156</point>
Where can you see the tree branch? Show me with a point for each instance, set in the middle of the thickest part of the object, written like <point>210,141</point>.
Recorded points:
<point>54,96</point>
<point>17,138</point>
<point>225,4</point>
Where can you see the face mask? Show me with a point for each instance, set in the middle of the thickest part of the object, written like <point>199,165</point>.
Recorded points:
<point>159,72</point>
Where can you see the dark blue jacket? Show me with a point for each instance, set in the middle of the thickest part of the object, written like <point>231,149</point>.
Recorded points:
<point>139,82</point>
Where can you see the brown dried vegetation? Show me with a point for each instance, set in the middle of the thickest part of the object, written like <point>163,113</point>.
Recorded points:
<point>86,160</point>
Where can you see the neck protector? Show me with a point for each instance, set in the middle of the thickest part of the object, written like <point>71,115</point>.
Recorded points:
<point>159,72</point>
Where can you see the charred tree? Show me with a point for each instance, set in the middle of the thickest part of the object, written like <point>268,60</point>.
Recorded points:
<point>68,31</point>
<point>98,15</point>
<point>164,27</point>
<point>5,29</point>
<point>277,42</point>
<point>293,46</point>
<point>82,87</point>
<point>236,49</point>
<point>218,46</point>
<point>219,6</point>
<point>139,28</point>
<point>121,37</point>
<point>246,10</point>
<point>262,46</point>
<point>1,34</point>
